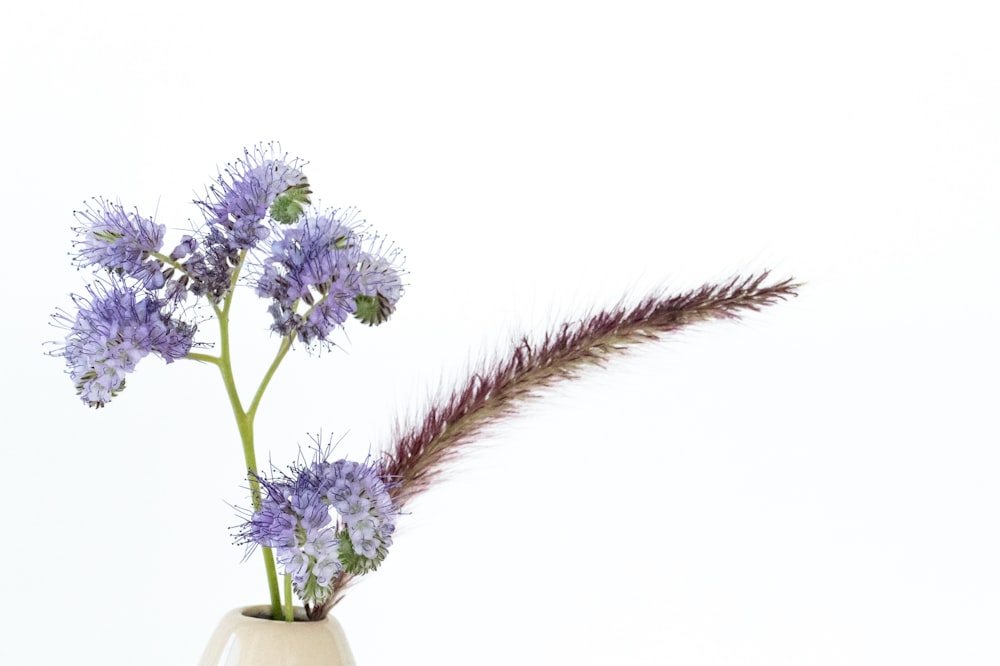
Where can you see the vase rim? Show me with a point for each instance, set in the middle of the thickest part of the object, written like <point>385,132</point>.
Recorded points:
<point>263,612</point>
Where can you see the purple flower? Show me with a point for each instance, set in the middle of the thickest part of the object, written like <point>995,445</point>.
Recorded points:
<point>120,241</point>
<point>368,515</point>
<point>319,261</point>
<point>237,213</point>
<point>380,287</point>
<point>296,519</point>
<point>312,261</point>
<point>378,276</point>
<point>240,199</point>
<point>111,332</point>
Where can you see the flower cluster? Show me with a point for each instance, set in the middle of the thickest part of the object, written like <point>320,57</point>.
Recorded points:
<point>120,241</point>
<point>242,197</point>
<point>296,519</point>
<point>244,205</point>
<point>113,329</point>
<point>320,261</point>
<point>315,267</point>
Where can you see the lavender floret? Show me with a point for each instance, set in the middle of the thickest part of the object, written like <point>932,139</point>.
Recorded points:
<point>242,196</point>
<point>120,241</point>
<point>296,519</point>
<point>320,261</point>
<point>113,329</point>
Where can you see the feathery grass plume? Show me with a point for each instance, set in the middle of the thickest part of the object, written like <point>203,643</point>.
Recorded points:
<point>420,452</point>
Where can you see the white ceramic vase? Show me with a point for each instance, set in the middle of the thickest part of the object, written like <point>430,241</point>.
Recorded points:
<point>248,637</point>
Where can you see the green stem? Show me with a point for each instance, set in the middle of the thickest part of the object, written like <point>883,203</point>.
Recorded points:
<point>245,420</point>
<point>168,261</point>
<point>244,423</point>
<point>206,358</point>
<point>286,344</point>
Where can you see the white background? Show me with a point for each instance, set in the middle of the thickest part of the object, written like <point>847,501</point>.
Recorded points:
<point>814,485</point>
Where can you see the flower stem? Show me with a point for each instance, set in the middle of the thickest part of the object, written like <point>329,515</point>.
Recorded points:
<point>205,358</point>
<point>244,423</point>
<point>289,609</point>
<point>168,261</point>
<point>286,344</point>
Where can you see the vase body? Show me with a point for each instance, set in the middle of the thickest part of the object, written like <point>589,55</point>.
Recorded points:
<point>248,637</point>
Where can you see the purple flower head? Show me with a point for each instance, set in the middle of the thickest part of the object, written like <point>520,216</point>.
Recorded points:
<point>368,515</point>
<point>296,519</point>
<point>248,199</point>
<point>111,332</point>
<point>120,241</point>
<point>381,286</point>
<point>320,262</point>
<point>313,262</point>
<point>243,195</point>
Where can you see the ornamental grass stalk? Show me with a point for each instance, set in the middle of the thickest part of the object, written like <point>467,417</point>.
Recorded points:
<point>418,453</point>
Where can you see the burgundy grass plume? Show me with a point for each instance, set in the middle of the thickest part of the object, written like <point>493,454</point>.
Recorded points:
<point>493,391</point>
